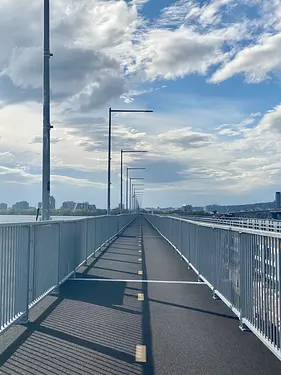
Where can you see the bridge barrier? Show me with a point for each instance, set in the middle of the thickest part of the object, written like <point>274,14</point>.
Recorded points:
<point>261,224</point>
<point>242,266</point>
<point>36,258</point>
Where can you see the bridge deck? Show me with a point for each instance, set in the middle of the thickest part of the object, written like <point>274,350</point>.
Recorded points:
<point>100,325</point>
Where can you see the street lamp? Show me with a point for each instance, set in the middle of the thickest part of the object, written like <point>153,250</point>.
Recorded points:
<point>137,194</point>
<point>127,184</point>
<point>109,146</point>
<point>131,179</point>
<point>46,169</point>
<point>121,166</point>
<point>133,190</point>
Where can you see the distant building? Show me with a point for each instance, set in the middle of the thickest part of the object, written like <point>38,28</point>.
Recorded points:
<point>40,205</point>
<point>198,209</point>
<point>86,206</point>
<point>82,206</point>
<point>278,199</point>
<point>52,203</point>
<point>21,206</point>
<point>3,206</point>
<point>187,208</point>
<point>121,208</point>
<point>68,205</point>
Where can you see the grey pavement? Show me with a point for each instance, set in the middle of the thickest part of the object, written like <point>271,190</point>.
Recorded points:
<point>96,323</point>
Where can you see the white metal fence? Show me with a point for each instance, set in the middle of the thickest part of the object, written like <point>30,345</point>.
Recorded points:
<point>241,266</point>
<point>261,224</point>
<point>35,258</point>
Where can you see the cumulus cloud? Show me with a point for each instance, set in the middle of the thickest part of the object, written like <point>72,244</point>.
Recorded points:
<point>82,68</point>
<point>256,61</point>
<point>174,53</point>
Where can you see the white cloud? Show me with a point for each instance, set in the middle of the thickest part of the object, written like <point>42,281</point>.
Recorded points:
<point>208,14</point>
<point>256,61</point>
<point>169,54</point>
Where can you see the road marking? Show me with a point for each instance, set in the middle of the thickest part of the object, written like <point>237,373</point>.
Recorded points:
<point>139,251</point>
<point>140,273</point>
<point>140,259</point>
<point>140,281</point>
<point>140,296</point>
<point>141,353</point>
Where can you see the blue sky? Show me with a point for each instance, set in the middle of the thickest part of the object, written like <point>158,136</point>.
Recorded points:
<point>210,70</point>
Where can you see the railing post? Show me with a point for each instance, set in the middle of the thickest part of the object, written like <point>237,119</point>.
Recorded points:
<point>75,249</point>
<point>86,241</point>
<point>24,319</point>
<point>56,291</point>
<point>94,236</point>
<point>242,257</point>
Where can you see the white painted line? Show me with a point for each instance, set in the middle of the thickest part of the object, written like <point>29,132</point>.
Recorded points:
<point>140,353</point>
<point>140,259</point>
<point>139,251</point>
<point>140,273</point>
<point>140,281</point>
<point>140,296</point>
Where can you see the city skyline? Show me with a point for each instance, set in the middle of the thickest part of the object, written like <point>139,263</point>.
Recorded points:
<point>72,205</point>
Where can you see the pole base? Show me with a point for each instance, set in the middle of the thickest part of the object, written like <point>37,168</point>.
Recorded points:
<point>243,327</point>
<point>24,319</point>
<point>215,296</point>
<point>55,292</point>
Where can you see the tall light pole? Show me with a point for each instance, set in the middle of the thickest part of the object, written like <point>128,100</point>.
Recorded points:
<point>121,167</point>
<point>133,190</point>
<point>135,201</point>
<point>127,184</point>
<point>46,169</point>
<point>109,145</point>
<point>132,179</point>
<point>138,194</point>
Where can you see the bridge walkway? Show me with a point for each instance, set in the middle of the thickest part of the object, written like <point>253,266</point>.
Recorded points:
<point>136,309</point>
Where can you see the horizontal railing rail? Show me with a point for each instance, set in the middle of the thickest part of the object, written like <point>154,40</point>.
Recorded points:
<point>242,266</point>
<point>36,258</point>
<point>261,224</point>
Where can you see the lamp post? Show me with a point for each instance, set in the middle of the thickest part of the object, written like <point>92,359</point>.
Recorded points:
<point>131,179</point>
<point>121,167</point>
<point>138,195</point>
<point>127,184</point>
<point>46,169</point>
<point>109,145</point>
<point>133,190</point>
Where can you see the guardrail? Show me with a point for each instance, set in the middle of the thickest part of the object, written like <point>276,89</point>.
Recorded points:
<point>36,258</point>
<point>242,266</point>
<point>261,224</point>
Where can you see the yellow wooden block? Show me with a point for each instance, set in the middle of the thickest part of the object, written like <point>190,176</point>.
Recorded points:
<point>141,353</point>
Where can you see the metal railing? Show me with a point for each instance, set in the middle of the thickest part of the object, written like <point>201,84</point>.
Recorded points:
<point>261,224</point>
<point>36,258</point>
<point>240,265</point>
